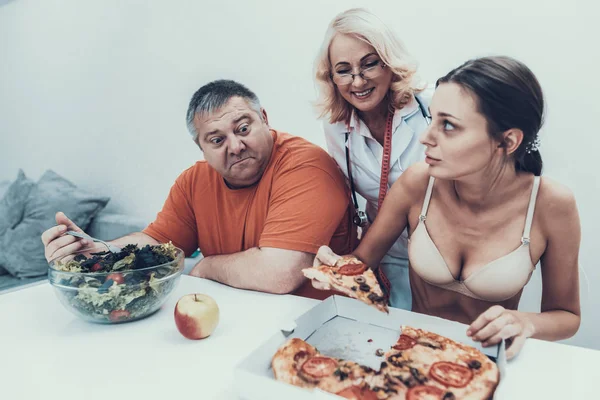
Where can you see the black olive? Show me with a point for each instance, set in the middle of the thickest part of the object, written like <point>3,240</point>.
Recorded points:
<point>375,298</point>
<point>449,396</point>
<point>364,287</point>
<point>341,374</point>
<point>409,381</point>
<point>395,360</point>
<point>354,288</point>
<point>474,364</point>
<point>383,365</point>
<point>417,375</point>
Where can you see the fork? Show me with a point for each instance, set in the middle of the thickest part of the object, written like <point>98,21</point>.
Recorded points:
<point>112,248</point>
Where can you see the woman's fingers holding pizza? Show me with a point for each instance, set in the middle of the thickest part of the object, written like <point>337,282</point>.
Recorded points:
<point>506,332</point>
<point>486,318</point>
<point>490,323</point>
<point>320,285</point>
<point>325,256</point>
<point>497,324</point>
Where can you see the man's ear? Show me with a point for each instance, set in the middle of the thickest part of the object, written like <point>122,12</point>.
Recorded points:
<point>263,114</point>
<point>512,140</point>
<point>196,140</point>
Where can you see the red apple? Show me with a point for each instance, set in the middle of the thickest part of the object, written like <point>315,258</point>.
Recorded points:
<point>196,315</point>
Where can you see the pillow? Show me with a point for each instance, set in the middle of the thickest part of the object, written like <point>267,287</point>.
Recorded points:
<point>12,204</point>
<point>21,248</point>
<point>4,187</point>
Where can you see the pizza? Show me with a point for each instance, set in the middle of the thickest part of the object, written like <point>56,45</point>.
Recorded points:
<point>420,365</point>
<point>300,364</point>
<point>351,277</point>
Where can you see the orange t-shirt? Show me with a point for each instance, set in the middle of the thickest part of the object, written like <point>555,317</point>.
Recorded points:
<point>300,203</point>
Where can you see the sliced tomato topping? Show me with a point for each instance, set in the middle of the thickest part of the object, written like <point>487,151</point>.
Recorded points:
<point>358,393</point>
<point>424,393</point>
<point>352,269</point>
<point>405,342</point>
<point>451,374</point>
<point>319,367</point>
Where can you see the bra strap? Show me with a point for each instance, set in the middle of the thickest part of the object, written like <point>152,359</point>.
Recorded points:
<point>423,215</point>
<point>530,210</point>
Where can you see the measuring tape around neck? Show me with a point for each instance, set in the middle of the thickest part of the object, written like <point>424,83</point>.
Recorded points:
<point>385,161</point>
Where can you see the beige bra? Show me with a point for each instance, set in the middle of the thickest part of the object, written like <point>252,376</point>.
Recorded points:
<point>499,280</point>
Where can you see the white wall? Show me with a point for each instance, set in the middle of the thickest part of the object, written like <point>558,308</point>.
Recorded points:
<point>97,90</point>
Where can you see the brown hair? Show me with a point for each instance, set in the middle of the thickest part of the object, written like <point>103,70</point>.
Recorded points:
<point>509,96</point>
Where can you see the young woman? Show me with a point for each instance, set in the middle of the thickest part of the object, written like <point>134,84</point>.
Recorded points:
<point>480,216</point>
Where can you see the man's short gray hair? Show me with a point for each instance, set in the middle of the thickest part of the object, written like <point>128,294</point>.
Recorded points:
<point>212,96</point>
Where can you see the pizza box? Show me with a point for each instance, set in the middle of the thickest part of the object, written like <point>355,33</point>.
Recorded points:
<point>344,328</point>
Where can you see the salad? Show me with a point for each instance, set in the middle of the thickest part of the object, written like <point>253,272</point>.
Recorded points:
<point>116,287</point>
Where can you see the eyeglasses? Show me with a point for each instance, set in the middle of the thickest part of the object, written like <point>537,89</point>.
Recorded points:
<point>370,71</point>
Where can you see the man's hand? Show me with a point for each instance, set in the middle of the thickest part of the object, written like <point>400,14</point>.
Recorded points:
<point>56,244</point>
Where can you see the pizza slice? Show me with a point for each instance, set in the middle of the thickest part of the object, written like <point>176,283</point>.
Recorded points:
<point>423,358</point>
<point>288,360</point>
<point>300,364</point>
<point>353,278</point>
<point>420,365</point>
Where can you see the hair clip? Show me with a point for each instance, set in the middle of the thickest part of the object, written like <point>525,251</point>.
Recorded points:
<point>534,145</point>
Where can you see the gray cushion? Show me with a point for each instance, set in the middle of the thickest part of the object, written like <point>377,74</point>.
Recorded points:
<point>4,187</point>
<point>21,248</point>
<point>109,226</point>
<point>12,205</point>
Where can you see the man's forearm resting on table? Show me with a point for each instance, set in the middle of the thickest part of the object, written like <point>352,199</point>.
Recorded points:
<point>267,270</point>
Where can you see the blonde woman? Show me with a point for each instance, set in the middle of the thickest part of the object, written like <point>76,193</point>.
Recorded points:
<point>373,112</point>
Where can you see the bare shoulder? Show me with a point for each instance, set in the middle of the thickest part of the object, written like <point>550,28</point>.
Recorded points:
<point>555,203</point>
<point>413,182</point>
<point>555,197</point>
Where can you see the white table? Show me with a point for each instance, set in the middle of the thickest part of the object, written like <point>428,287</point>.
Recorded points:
<point>48,353</point>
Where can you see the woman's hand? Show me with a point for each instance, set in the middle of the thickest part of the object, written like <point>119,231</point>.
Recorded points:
<point>498,323</point>
<point>325,256</point>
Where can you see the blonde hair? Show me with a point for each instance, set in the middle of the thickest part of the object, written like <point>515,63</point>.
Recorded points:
<point>365,26</point>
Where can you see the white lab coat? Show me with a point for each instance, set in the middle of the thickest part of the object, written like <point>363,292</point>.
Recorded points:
<point>366,155</point>
<point>365,162</point>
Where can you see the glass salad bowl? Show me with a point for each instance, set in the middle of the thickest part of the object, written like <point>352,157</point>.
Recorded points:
<point>108,288</point>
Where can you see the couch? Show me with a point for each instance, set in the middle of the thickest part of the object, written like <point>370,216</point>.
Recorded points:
<point>105,225</point>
